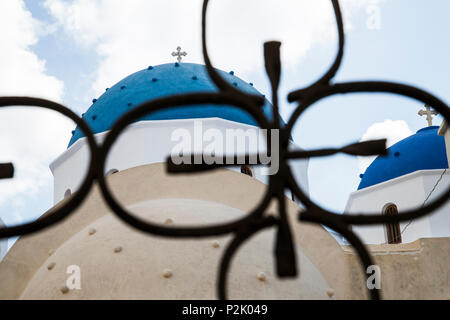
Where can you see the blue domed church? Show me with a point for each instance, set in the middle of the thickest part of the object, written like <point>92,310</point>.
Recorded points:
<point>93,254</point>
<point>155,136</point>
<point>424,150</point>
<point>412,174</point>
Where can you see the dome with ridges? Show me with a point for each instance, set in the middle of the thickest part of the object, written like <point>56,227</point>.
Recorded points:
<point>161,81</point>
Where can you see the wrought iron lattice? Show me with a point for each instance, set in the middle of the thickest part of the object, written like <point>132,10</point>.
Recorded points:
<point>256,220</point>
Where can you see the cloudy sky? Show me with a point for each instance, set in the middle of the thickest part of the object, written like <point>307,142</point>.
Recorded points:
<point>70,51</point>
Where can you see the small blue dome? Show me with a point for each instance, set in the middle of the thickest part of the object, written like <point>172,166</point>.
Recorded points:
<point>160,81</point>
<point>424,150</point>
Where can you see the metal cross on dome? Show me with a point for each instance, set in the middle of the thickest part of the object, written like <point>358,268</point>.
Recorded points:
<point>429,113</point>
<point>179,53</point>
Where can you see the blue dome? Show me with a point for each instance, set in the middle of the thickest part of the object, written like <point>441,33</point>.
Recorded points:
<point>159,81</point>
<point>424,150</point>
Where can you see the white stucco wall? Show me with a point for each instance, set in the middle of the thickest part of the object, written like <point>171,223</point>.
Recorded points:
<point>147,142</point>
<point>3,244</point>
<point>445,131</point>
<point>406,192</point>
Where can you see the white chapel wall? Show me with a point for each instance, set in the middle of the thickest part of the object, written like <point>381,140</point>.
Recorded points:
<point>148,142</point>
<point>3,243</point>
<point>406,192</point>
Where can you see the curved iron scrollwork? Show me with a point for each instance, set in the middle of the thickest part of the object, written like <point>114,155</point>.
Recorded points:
<point>256,220</point>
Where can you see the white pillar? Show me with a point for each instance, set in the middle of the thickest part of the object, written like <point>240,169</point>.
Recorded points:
<point>445,131</point>
<point>3,243</point>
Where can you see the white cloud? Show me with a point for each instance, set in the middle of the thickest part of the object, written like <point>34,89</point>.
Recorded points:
<point>22,72</point>
<point>393,131</point>
<point>129,35</point>
<point>29,139</point>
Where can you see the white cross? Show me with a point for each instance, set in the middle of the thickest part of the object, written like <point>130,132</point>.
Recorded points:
<point>179,53</point>
<point>429,114</point>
